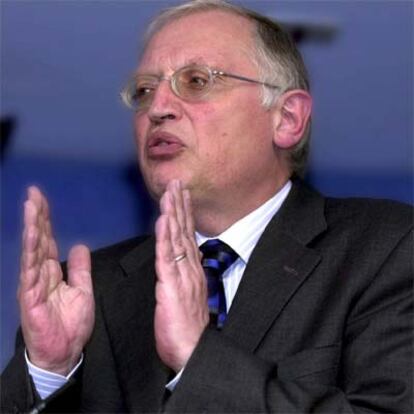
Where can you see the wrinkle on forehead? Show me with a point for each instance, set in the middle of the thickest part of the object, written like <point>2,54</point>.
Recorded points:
<point>172,65</point>
<point>214,38</point>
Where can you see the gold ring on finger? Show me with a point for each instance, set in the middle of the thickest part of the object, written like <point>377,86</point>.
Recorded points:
<point>180,257</point>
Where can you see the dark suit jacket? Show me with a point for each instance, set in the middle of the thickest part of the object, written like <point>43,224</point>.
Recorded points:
<point>321,322</point>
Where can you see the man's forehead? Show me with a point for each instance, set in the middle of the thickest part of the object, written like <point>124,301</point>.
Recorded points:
<point>213,22</point>
<point>160,65</point>
<point>199,39</point>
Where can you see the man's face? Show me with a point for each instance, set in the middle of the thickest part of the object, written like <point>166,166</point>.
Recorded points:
<point>220,147</point>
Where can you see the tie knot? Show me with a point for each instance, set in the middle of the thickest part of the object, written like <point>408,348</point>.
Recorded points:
<point>217,255</point>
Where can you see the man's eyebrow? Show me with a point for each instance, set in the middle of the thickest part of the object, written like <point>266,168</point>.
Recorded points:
<point>196,61</point>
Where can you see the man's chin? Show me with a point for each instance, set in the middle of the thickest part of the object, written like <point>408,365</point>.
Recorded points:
<point>157,175</point>
<point>157,188</point>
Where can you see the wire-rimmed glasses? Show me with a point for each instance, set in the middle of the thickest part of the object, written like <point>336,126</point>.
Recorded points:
<point>191,83</point>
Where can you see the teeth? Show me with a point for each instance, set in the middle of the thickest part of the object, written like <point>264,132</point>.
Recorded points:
<point>162,144</point>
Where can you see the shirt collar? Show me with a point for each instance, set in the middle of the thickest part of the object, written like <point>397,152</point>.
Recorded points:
<point>243,235</point>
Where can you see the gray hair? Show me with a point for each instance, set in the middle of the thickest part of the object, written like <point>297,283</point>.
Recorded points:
<point>276,56</point>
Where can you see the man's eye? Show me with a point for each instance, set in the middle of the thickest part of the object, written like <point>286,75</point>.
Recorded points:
<point>143,91</point>
<point>194,79</point>
<point>197,82</point>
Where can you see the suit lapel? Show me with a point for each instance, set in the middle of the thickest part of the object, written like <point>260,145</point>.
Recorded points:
<point>278,266</point>
<point>142,374</point>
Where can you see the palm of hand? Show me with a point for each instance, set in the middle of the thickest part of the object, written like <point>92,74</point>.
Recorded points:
<point>57,320</point>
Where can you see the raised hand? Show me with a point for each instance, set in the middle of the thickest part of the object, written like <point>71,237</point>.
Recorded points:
<point>181,312</point>
<point>57,317</point>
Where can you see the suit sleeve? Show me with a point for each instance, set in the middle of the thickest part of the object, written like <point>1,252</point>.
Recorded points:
<point>371,373</point>
<point>18,392</point>
<point>16,389</point>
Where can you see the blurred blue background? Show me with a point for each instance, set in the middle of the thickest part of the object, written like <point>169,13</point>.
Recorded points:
<point>64,62</point>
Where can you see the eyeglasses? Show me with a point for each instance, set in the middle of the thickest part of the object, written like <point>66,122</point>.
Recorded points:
<point>191,83</point>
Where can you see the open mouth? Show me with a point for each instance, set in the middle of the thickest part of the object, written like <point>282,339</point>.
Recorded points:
<point>164,145</point>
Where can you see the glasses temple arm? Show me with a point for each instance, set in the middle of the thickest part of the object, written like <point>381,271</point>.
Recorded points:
<point>229,75</point>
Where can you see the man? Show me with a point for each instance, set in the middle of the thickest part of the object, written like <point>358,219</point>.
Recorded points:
<point>311,312</point>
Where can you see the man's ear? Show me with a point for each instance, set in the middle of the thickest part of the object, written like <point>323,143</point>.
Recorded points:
<point>291,116</point>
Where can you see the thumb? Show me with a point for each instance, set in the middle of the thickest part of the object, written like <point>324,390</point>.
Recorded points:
<point>79,268</point>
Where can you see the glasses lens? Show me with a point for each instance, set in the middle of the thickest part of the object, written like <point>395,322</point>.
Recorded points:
<point>193,82</point>
<point>140,91</point>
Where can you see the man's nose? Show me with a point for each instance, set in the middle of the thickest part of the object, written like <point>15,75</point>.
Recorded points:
<point>165,104</point>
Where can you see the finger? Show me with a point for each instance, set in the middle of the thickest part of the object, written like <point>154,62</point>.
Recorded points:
<point>49,246</point>
<point>173,188</point>
<point>35,199</point>
<point>184,215</point>
<point>30,241</point>
<point>162,229</point>
<point>30,213</point>
<point>79,268</point>
<point>29,270</point>
<point>181,239</point>
<point>163,203</point>
<point>188,211</point>
<point>164,263</point>
<point>175,231</point>
<point>35,196</point>
<point>190,225</point>
<point>46,215</point>
<point>41,286</point>
<point>178,201</point>
<point>53,274</point>
<point>45,205</point>
<point>162,245</point>
<point>185,226</point>
<point>28,280</point>
<point>30,252</point>
<point>52,248</point>
<point>53,252</point>
<point>38,198</point>
<point>30,290</point>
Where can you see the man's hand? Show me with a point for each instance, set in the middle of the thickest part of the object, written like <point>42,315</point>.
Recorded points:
<point>181,312</point>
<point>57,317</point>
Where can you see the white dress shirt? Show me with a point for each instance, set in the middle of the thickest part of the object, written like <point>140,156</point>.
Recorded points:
<point>242,237</point>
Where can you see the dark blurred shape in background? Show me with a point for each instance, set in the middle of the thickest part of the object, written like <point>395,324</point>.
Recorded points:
<point>302,31</point>
<point>7,128</point>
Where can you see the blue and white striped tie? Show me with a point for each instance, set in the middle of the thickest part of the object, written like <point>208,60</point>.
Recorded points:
<point>217,258</point>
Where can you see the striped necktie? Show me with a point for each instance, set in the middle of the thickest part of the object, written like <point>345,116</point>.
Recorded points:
<point>217,258</point>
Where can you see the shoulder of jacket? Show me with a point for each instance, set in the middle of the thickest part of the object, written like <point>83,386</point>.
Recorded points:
<point>373,219</point>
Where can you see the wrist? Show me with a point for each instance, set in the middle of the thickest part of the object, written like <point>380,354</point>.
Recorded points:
<point>63,368</point>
